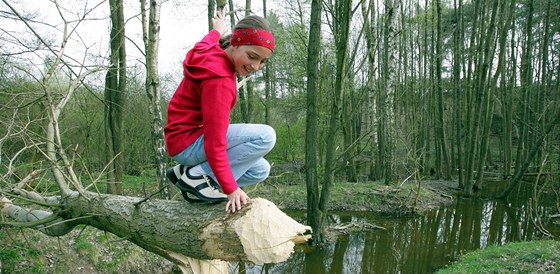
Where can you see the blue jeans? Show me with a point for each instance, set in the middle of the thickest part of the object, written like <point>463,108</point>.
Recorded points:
<point>247,145</point>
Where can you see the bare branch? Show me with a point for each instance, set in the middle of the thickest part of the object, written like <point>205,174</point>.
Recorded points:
<point>28,178</point>
<point>44,221</point>
<point>27,23</point>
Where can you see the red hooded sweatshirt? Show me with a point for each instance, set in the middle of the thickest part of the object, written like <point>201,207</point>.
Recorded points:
<point>202,105</point>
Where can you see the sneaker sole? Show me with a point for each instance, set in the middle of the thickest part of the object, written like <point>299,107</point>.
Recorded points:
<point>189,199</point>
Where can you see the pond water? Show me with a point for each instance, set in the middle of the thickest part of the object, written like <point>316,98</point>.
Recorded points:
<point>420,244</point>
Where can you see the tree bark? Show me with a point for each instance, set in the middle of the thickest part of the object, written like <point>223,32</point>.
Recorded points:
<point>342,28</point>
<point>526,81</point>
<point>440,128</point>
<point>390,82</point>
<point>422,139</point>
<point>349,135</point>
<point>246,92</point>
<point>150,31</point>
<point>368,13</point>
<point>259,233</point>
<point>211,13</point>
<point>232,15</point>
<point>267,82</point>
<point>458,51</point>
<point>507,108</point>
<point>249,88</point>
<point>313,53</point>
<point>115,89</point>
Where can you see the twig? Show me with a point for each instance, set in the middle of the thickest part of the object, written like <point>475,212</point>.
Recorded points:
<point>28,178</point>
<point>241,83</point>
<point>235,11</point>
<point>73,219</point>
<point>29,200</point>
<point>406,179</point>
<point>14,158</point>
<point>32,224</point>
<point>150,196</point>
<point>81,231</point>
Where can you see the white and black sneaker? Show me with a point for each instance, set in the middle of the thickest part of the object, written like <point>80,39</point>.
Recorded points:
<point>173,174</point>
<point>202,187</point>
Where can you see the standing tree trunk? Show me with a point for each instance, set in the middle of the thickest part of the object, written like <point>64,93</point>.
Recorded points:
<point>313,53</point>
<point>369,19</point>
<point>211,13</point>
<point>115,90</point>
<point>390,82</point>
<point>422,129</point>
<point>507,99</point>
<point>469,105</point>
<point>250,87</point>
<point>458,51</point>
<point>489,108</point>
<point>341,29</point>
<point>232,15</point>
<point>150,35</point>
<point>526,81</point>
<point>485,102</point>
<point>485,50</point>
<point>246,92</point>
<point>440,123</point>
<point>349,131</point>
<point>543,93</point>
<point>268,96</point>
<point>432,98</point>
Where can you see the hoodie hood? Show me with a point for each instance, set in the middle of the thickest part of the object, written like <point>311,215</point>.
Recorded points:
<point>208,60</point>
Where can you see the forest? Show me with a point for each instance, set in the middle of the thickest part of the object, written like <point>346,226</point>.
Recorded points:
<point>357,91</point>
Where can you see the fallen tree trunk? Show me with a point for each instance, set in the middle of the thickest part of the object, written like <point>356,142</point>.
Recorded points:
<point>259,233</point>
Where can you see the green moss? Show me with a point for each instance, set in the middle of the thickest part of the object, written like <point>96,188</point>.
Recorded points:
<point>522,257</point>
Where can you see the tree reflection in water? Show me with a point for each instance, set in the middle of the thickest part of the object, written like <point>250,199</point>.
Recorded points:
<point>419,244</point>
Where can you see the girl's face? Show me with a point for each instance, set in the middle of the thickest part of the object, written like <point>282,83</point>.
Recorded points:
<point>248,58</point>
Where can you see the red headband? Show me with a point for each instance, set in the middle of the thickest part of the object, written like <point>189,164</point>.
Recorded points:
<point>253,36</point>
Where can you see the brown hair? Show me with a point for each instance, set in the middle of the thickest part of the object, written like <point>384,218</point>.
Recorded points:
<point>250,21</point>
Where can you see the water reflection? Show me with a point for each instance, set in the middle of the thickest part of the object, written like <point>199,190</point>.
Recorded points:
<point>418,244</point>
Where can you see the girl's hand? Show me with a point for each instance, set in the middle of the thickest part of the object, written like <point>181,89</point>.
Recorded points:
<point>237,199</point>
<point>219,24</point>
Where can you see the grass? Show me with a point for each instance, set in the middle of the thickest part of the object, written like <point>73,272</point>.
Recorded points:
<point>363,196</point>
<point>15,259</point>
<point>521,257</point>
<point>81,251</point>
